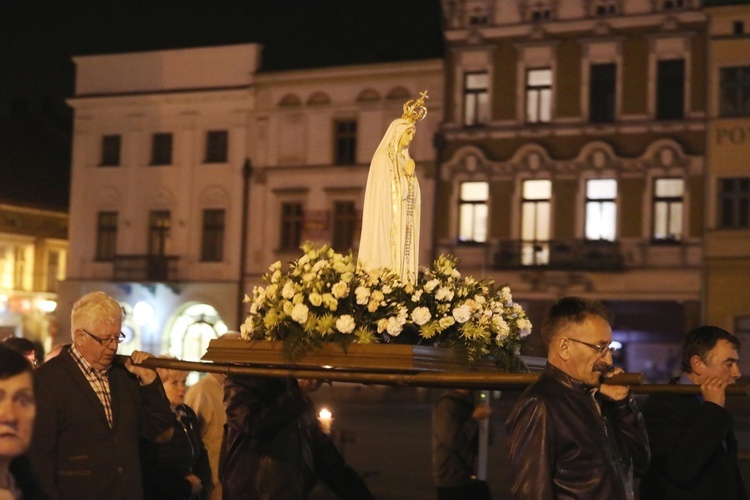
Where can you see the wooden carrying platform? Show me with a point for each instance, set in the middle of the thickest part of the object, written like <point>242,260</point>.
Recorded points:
<point>355,357</point>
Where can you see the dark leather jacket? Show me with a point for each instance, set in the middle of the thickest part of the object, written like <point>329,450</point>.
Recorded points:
<point>562,447</point>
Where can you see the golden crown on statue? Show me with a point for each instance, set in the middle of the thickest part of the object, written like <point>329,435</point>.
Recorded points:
<point>414,110</point>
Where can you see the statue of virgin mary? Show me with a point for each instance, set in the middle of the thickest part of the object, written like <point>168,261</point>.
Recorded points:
<point>391,212</point>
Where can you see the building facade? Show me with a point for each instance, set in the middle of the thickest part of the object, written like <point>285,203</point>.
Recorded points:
<point>574,158</point>
<point>187,185</point>
<point>33,254</point>
<point>727,241</point>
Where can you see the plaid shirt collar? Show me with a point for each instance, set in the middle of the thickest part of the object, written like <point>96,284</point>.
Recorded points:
<point>85,365</point>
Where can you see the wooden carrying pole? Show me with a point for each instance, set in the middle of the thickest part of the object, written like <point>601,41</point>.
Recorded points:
<point>464,380</point>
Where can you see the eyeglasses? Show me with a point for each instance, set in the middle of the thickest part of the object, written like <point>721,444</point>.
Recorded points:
<point>108,341</point>
<point>601,350</point>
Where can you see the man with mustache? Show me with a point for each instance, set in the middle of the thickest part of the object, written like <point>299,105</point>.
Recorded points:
<point>570,435</point>
<point>692,437</point>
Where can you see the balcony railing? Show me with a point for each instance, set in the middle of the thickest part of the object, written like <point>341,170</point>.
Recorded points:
<point>145,268</point>
<point>584,255</point>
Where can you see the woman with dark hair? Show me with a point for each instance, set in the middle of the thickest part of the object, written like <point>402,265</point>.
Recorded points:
<point>17,411</point>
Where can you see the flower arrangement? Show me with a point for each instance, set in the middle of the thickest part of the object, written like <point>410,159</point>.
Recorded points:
<point>325,297</point>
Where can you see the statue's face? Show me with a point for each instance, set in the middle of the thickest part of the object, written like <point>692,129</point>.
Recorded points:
<point>406,138</point>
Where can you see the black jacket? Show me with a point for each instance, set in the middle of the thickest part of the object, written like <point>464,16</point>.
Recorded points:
<point>694,450</point>
<point>273,446</point>
<point>166,464</point>
<point>561,447</point>
<point>74,450</point>
<point>454,439</point>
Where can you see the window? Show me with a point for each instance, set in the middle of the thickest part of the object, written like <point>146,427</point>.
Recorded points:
<point>345,132</point>
<point>535,219</point>
<point>476,99</point>
<point>110,151</point>
<point>217,143</point>
<point>602,84</point>
<point>160,223</point>
<point>738,28</point>
<point>667,209</point>
<point>601,209</point>
<point>540,10</point>
<point>673,4</point>
<point>735,91</point>
<point>53,270</point>
<point>670,89</point>
<point>344,224</point>
<point>473,211</point>
<point>292,218</point>
<point>538,95</point>
<point>161,149</point>
<point>212,242</point>
<point>605,7</point>
<point>106,236</point>
<point>734,203</point>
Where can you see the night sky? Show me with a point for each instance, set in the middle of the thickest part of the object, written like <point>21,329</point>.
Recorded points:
<point>39,37</point>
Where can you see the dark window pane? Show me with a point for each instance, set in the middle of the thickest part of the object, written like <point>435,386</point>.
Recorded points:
<point>217,145</point>
<point>106,236</point>
<point>212,243</point>
<point>345,139</point>
<point>160,223</point>
<point>734,98</point>
<point>110,151</point>
<point>344,225</point>
<point>670,90</point>
<point>292,218</point>
<point>161,149</point>
<point>602,93</point>
<point>734,203</point>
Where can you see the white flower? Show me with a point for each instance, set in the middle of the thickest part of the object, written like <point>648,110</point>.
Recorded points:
<point>287,307</point>
<point>462,313</point>
<point>455,274</point>
<point>445,322</point>
<point>276,266</point>
<point>299,313</point>
<point>315,299</point>
<point>430,285</point>
<point>387,289</point>
<point>503,330</point>
<point>288,290</point>
<point>421,315</point>
<point>246,299</point>
<point>524,327</point>
<point>319,265</point>
<point>506,297</point>
<point>479,299</point>
<point>417,295</point>
<point>340,290</point>
<point>382,325</point>
<point>377,296</point>
<point>363,295</point>
<point>276,276</point>
<point>246,328</point>
<point>444,294</point>
<point>345,323</point>
<point>394,326</point>
<point>331,303</point>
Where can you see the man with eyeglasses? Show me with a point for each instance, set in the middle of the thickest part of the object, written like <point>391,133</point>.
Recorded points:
<point>92,410</point>
<point>571,435</point>
<point>692,435</point>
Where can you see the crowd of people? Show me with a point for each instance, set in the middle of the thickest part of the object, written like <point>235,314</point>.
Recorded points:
<point>86,424</point>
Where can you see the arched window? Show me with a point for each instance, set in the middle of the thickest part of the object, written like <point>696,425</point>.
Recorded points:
<point>192,331</point>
